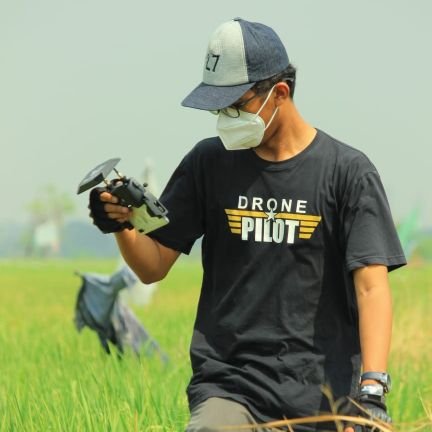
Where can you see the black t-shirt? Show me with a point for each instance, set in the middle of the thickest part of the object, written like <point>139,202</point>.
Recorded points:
<point>277,315</point>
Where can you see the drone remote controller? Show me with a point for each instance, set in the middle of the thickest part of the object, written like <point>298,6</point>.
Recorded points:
<point>148,213</point>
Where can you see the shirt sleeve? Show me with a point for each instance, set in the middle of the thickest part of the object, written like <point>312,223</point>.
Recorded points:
<point>369,232</point>
<point>182,198</point>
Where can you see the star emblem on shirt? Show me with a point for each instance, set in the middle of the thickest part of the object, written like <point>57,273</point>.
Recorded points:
<point>270,215</point>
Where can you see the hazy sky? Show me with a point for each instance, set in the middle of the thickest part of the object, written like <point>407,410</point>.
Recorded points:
<point>82,81</point>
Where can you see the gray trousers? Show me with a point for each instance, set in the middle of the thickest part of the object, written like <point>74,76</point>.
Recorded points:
<point>214,414</point>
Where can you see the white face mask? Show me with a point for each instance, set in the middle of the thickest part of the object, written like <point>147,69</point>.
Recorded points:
<point>245,131</point>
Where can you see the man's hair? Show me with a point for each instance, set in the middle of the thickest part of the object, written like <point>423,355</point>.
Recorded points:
<point>288,75</point>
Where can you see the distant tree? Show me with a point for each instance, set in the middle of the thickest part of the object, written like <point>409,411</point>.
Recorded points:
<point>47,213</point>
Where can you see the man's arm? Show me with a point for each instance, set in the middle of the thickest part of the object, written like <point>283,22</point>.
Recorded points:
<point>150,260</point>
<point>375,319</point>
<point>375,316</point>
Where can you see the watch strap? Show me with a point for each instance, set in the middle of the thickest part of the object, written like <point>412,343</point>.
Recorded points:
<point>372,389</point>
<point>382,377</point>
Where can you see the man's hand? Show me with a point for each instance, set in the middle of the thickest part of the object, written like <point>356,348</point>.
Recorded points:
<point>369,407</point>
<point>107,215</point>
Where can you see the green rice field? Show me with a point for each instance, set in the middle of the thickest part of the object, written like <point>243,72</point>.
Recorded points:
<point>53,378</point>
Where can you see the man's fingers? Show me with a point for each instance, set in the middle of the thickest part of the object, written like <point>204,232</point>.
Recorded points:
<point>112,209</point>
<point>108,198</point>
<point>118,217</point>
<point>118,209</point>
<point>116,212</point>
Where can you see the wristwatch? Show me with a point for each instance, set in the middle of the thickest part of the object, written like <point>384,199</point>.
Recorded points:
<point>372,390</point>
<point>381,377</point>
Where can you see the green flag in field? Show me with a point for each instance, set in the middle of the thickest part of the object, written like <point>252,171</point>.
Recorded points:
<point>407,231</point>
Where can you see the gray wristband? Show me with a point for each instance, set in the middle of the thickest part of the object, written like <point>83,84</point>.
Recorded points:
<point>382,377</point>
<point>372,389</point>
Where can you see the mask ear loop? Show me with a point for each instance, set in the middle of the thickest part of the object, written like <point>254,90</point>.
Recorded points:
<point>266,99</point>
<point>272,117</point>
<point>263,105</point>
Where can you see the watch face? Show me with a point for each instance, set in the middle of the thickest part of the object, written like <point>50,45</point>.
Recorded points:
<point>385,381</point>
<point>389,383</point>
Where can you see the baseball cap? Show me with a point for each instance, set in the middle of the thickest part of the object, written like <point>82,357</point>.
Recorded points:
<point>239,54</point>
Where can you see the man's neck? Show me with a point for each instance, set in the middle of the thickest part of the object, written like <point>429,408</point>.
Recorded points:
<point>290,137</point>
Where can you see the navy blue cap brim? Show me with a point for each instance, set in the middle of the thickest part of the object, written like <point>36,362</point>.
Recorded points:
<point>211,97</point>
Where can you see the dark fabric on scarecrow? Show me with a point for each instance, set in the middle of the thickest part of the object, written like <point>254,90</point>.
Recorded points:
<point>100,308</point>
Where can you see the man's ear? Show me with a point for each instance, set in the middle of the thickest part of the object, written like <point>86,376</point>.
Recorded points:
<point>282,92</point>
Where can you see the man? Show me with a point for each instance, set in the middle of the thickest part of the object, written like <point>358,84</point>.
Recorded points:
<point>297,243</point>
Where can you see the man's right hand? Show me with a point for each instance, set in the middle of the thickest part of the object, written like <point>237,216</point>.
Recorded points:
<point>106,213</point>
<point>371,408</point>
